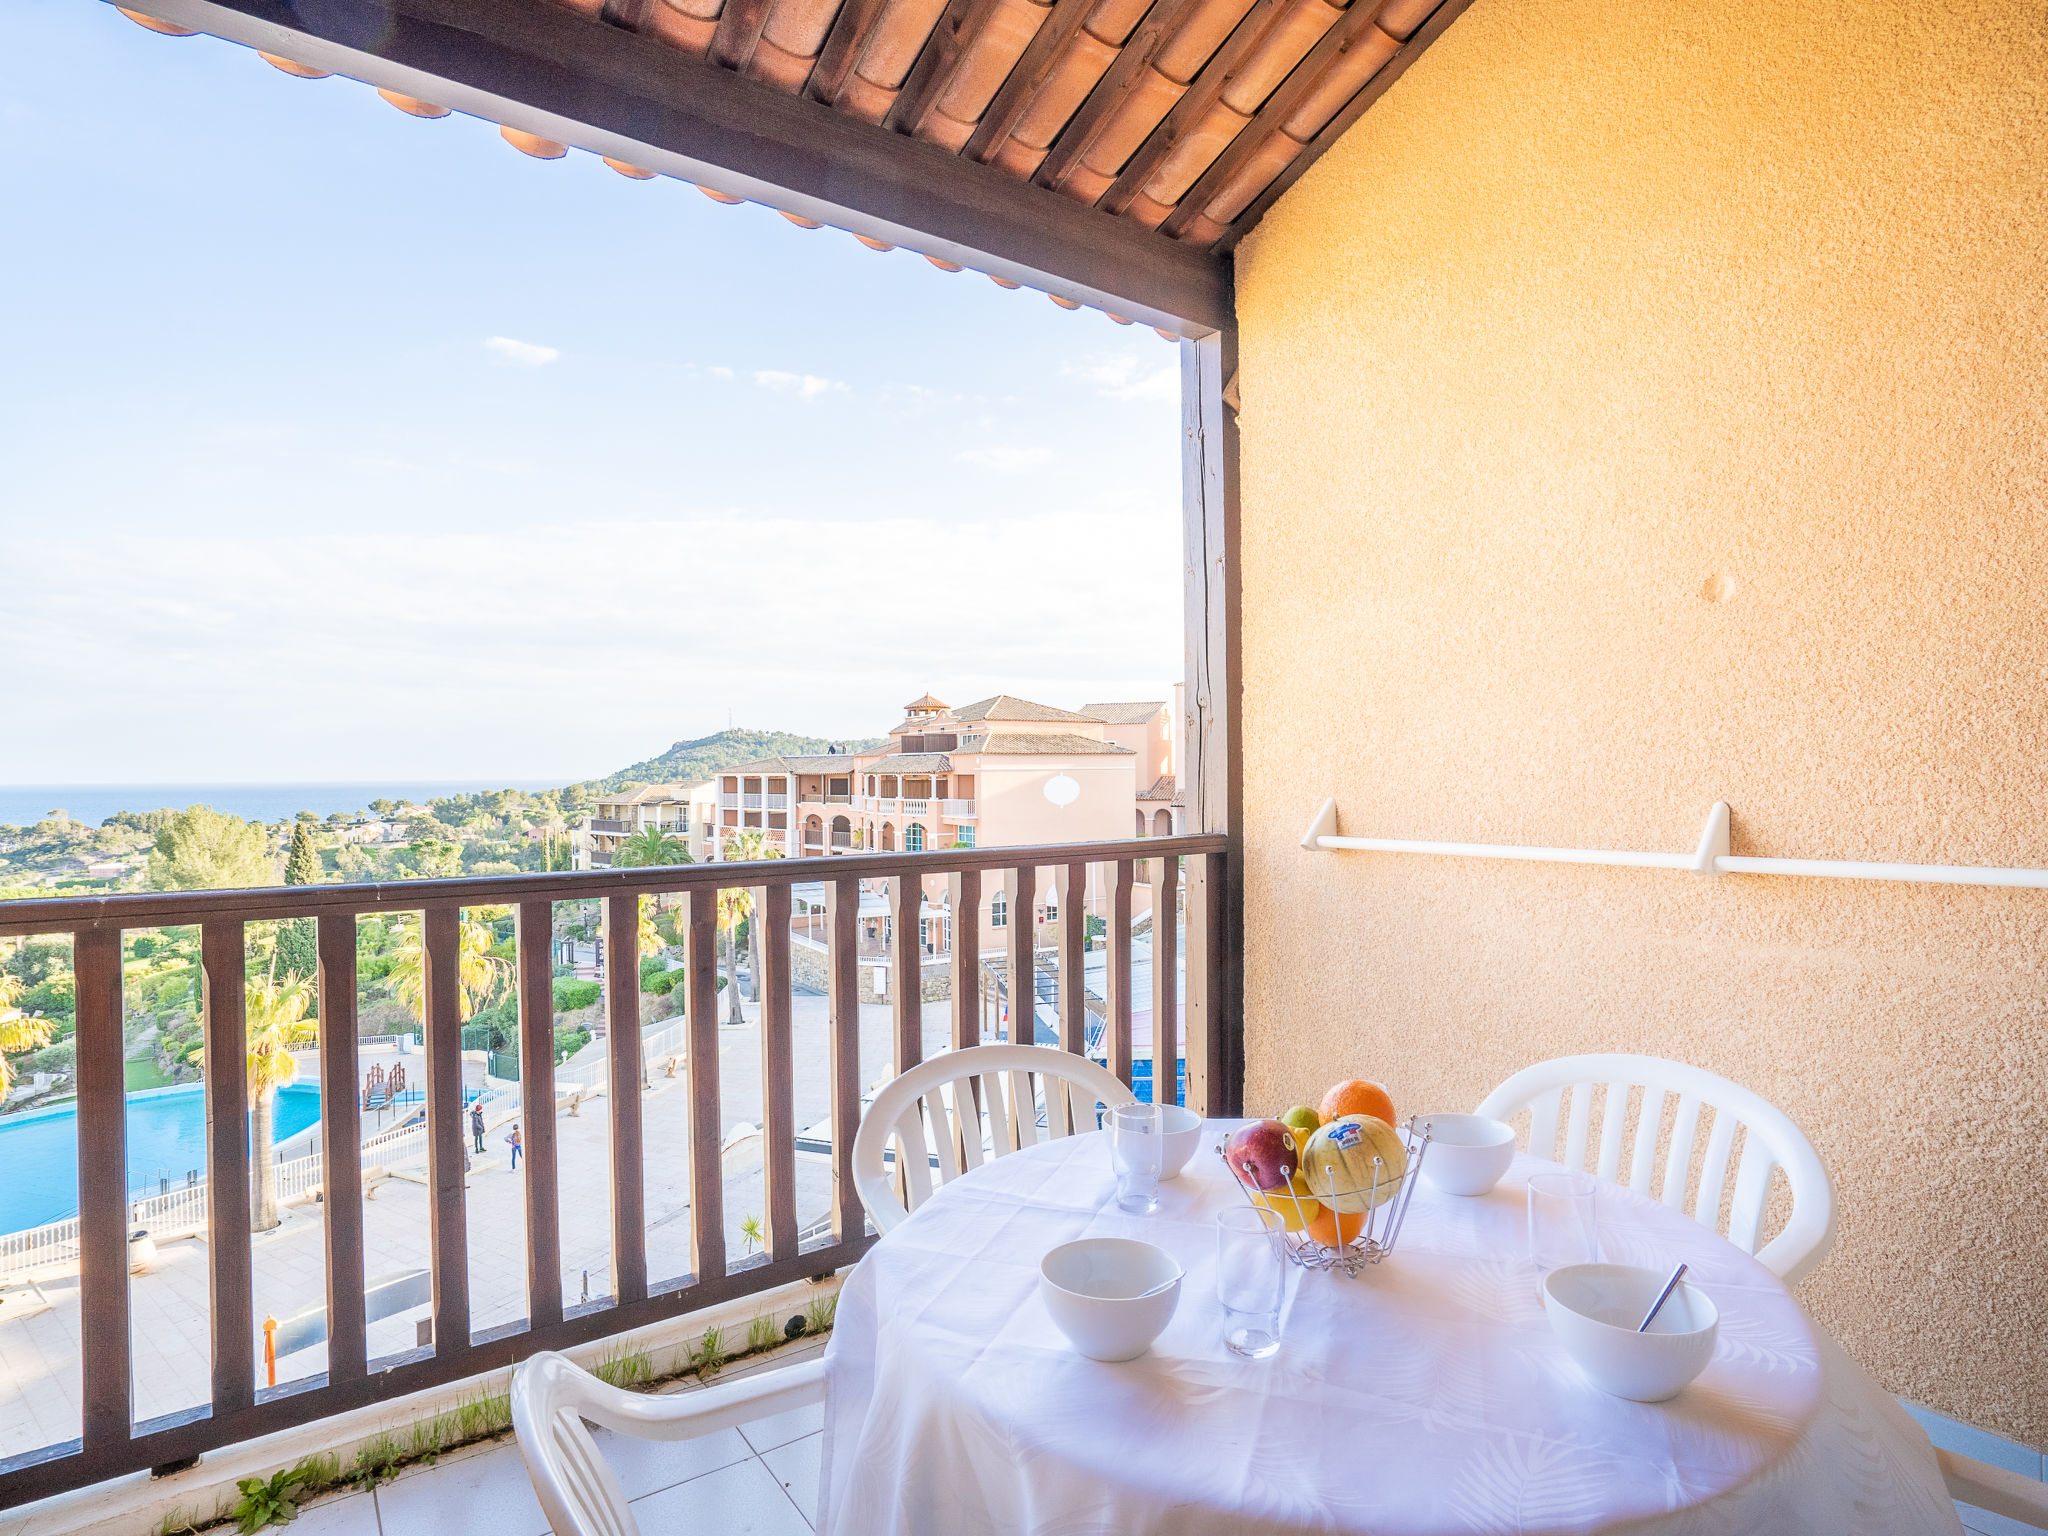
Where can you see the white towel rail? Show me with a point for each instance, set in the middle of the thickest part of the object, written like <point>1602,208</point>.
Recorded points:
<point>1710,858</point>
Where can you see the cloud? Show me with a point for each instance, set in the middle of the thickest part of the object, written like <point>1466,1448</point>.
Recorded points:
<point>521,354</point>
<point>805,386</point>
<point>1126,376</point>
<point>1004,461</point>
<point>722,373</point>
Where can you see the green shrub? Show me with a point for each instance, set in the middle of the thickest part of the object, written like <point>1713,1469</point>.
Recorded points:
<point>661,983</point>
<point>572,995</point>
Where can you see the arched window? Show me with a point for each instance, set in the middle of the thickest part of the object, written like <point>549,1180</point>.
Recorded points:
<point>999,911</point>
<point>913,838</point>
<point>842,832</point>
<point>888,837</point>
<point>1141,822</point>
<point>1162,823</point>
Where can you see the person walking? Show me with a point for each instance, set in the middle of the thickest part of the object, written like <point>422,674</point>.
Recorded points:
<point>476,1125</point>
<point>515,1142</point>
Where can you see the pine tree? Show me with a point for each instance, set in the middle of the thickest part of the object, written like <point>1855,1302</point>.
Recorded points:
<point>297,954</point>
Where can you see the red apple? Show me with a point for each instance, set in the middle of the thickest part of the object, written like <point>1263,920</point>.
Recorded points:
<point>1263,1155</point>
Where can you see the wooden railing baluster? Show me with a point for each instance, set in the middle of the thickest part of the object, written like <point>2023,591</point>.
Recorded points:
<point>1070,884</point>
<point>1020,895</point>
<point>906,970</point>
<point>102,1188</point>
<point>963,896</point>
<point>707,1165</point>
<point>1165,989</point>
<point>440,944</point>
<point>1116,969</point>
<point>536,947</point>
<point>1208,962</point>
<point>778,1074</point>
<point>341,1141</point>
<point>622,1050</point>
<point>227,1166</point>
<point>842,1005</point>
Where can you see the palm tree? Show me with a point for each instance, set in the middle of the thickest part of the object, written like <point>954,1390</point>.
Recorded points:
<point>18,1032</point>
<point>275,1014</point>
<point>481,974</point>
<point>651,847</point>
<point>749,845</point>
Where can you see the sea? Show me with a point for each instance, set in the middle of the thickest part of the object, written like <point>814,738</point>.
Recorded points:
<point>25,804</point>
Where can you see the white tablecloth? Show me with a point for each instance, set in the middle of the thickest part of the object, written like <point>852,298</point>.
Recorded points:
<point>1426,1395</point>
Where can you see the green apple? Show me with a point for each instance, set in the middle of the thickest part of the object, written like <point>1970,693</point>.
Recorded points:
<point>1303,1121</point>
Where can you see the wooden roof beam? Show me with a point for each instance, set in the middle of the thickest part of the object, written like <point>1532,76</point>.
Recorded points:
<point>537,67</point>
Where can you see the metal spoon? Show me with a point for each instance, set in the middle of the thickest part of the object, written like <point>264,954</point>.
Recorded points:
<point>1163,1285</point>
<point>1662,1297</point>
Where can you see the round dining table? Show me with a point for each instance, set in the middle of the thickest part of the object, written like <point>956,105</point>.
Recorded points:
<point>1424,1396</point>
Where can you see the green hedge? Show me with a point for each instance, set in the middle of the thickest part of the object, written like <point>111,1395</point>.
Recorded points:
<point>571,995</point>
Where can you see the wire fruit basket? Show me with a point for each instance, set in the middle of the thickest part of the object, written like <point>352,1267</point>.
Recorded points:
<point>1385,1199</point>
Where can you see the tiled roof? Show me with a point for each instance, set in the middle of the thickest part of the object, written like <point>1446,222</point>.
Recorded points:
<point>910,762</point>
<point>764,765</point>
<point>1005,707</point>
<point>1162,789</point>
<point>828,763</point>
<point>927,702</point>
<point>1123,714</point>
<point>1062,744</point>
<point>1178,115</point>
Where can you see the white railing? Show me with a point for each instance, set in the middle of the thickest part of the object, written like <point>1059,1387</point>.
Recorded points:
<point>728,802</point>
<point>1710,858</point>
<point>778,802</point>
<point>750,802</point>
<point>917,807</point>
<point>957,810</point>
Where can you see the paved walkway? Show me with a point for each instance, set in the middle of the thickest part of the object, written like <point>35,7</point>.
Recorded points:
<point>39,1325</point>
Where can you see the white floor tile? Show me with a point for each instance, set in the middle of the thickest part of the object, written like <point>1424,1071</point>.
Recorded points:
<point>781,1428</point>
<point>740,1500</point>
<point>347,1514</point>
<point>648,1466</point>
<point>485,1495</point>
<point>796,1466</point>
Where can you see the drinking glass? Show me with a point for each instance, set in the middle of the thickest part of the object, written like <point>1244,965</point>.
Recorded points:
<point>1137,1133</point>
<point>1562,1228</point>
<point>1251,1276</point>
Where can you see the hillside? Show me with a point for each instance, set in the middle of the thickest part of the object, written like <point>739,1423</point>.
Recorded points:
<point>691,762</point>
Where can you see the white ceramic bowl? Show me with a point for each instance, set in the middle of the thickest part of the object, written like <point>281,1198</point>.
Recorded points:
<point>1594,1310</point>
<point>1183,1134</point>
<point>1095,1288</point>
<point>1467,1153</point>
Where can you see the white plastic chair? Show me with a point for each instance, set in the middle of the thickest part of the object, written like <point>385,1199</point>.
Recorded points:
<point>1770,1140</point>
<point>552,1396</point>
<point>948,1097</point>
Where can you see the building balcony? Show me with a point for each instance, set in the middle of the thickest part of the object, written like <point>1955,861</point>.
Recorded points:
<point>728,802</point>
<point>957,810</point>
<point>778,802</point>
<point>750,802</point>
<point>611,828</point>
<point>917,807</point>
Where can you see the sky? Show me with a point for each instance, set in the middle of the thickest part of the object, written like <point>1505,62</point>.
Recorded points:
<point>336,444</point>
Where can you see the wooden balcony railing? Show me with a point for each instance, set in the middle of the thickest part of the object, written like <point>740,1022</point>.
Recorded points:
<point>241,1407</point>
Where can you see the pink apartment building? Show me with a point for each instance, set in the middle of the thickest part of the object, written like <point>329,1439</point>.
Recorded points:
<point>1000,772</point>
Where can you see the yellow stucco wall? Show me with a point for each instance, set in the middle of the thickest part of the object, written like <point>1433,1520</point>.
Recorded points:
<point>1647,404</point>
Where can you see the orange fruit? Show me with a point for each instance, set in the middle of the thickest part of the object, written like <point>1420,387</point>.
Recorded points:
<point>1356,1096</point>
<point>1333,1229</point>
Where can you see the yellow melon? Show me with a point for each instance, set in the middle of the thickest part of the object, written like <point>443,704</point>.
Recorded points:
<point>1338,1163</point>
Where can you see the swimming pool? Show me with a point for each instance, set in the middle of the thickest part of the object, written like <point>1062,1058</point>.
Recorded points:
<point>166,1139</point>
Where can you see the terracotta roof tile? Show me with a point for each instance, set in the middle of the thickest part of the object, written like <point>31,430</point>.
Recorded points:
<point>1162,789</point>
<point>1157,110</point>
<point>1124,714</point>
<point>1003,706</point>
<point>1062,744</point>
<point>909,762</point>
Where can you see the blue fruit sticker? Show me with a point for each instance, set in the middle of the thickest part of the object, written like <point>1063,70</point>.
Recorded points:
<point>1344,1135</point>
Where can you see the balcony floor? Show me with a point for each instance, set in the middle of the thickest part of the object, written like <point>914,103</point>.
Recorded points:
<point>761,1478</point>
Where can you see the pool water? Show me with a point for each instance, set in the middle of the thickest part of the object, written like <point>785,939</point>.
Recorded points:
<point>166,1139</point>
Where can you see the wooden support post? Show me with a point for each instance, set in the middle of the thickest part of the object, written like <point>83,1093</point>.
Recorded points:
<point>622,1048</point>
<point>446,1213</point>
<point>103,1188</point>
<point>778,1072</point>
<point>227,1166</point>
<point>536,940</point>
<point>842,1004</point>
<point>341,1140</point>
<point>707,1162</point>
